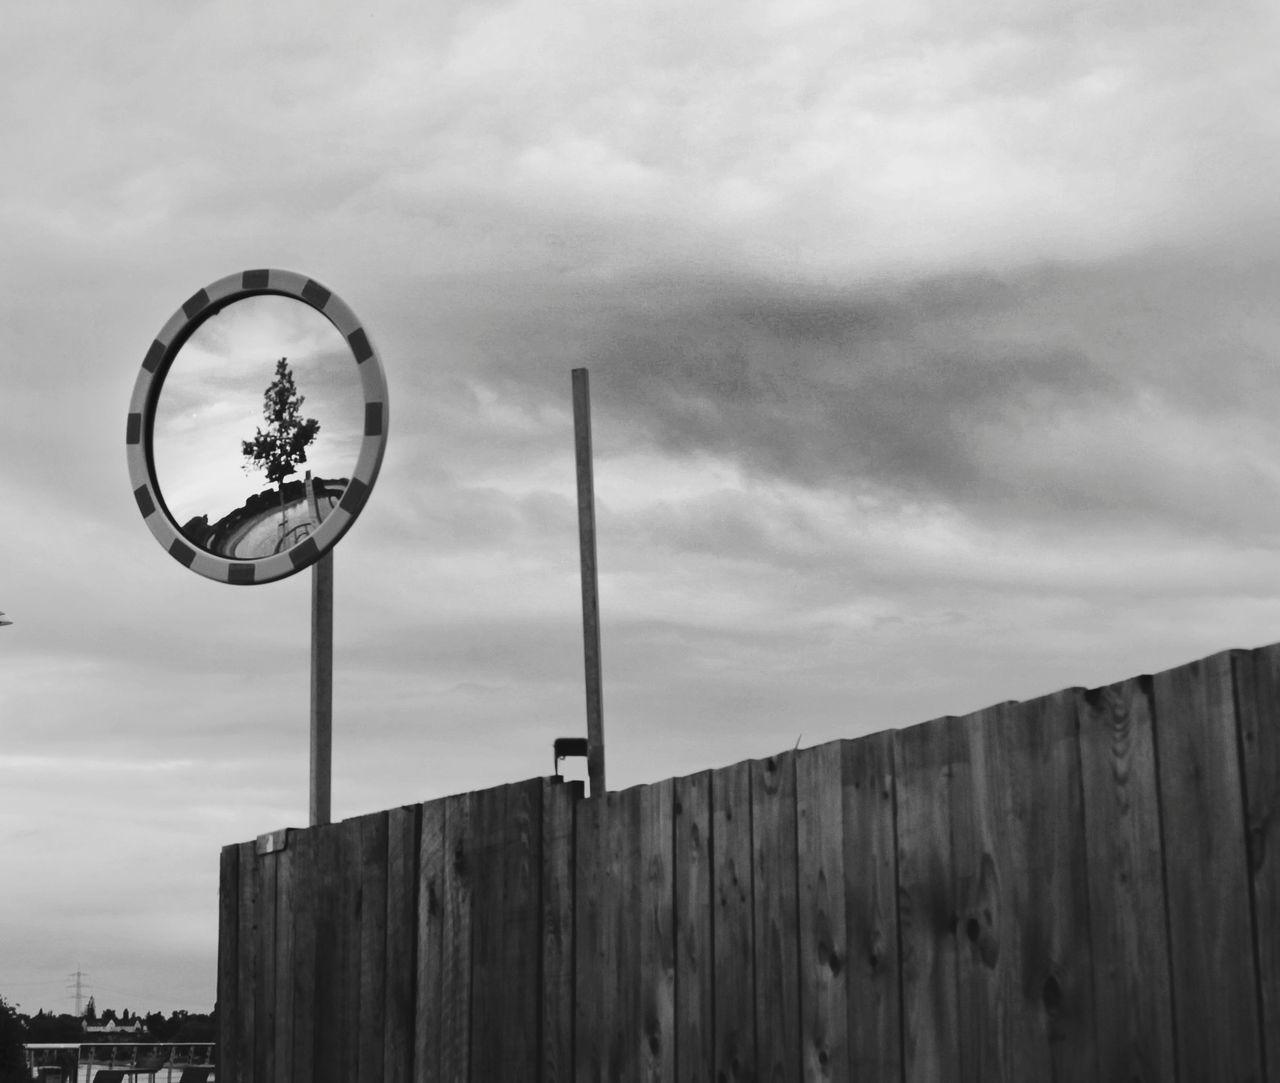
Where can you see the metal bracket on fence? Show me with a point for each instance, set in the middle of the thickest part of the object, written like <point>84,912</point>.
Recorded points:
<point>568,746</point>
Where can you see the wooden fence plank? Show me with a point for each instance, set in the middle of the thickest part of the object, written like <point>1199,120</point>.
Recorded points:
<point>1057,981</point>
<point>823,933</point>
<point>1206,873</point>
<point>926,903</point>
<point>229,991</point>
<point>247,966</point>
<point>522,946</point>
<point>521,909</point>
<point>620,929</point>
<point>304,890</point>
<point>264,932</point>
<point>351,898</point>
<point>591,954</point>
<point>1025,984</point>
<point>871,908</point>
<point>506,932</point>
<point>330,1023</point>
<point>429,1009</point>
<point>777,947</point>
<point>733,927</point>
<point>373,946</point>
<point>401,963</point>
<point>1258,696</point>
<point>982,863</point>
<point>984,853</point>
<point>488,887</point>
<point>1133,1008</point>
<point>559,802</point>
<point>655,899</point>
<point>284,963</point>
<point>460,869</point>
<point>694,1033</point>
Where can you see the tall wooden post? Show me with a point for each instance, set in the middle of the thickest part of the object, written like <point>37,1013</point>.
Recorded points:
<point>590,584</point>
<point>321,687</point>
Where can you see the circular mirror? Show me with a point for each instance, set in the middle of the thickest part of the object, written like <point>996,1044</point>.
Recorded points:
<point>257,426</point>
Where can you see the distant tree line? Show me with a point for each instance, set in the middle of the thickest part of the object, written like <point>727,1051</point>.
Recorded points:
<point>12,1037</point>
<point>17,1029</point>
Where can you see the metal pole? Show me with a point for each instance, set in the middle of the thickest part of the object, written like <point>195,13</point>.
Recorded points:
<point>321,687</point>
<point>590,584</point>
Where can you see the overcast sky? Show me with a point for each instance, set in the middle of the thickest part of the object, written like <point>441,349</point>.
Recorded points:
<point>933,355</point>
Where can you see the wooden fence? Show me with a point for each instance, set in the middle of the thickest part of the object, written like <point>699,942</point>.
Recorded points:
<point>1081,887</point>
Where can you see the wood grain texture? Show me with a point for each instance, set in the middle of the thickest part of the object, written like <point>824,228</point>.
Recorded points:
<point>1133,1003</point>
<point>1215,1005</point>
<point>694,960</point>
<point>522,924</point>
<point>429,1009</point>
<point>927,914</point>
<point>461,866</point>
<point>777,946</point>
<point>487,933</point>
<point>229,1019</point>
<point>591,953</point>
<point>264,950</point>
<point>373,928</point>
<point>330,1022</point>
<point>1258,699</point>
<point>620,931</point>
<point>1046,799</point>
<point>654,887</point>
<point>823,933</point>
<point>251,1005</point>
<point>1074,888</point>
<point>506,928</point>
<point>285,963</point>
<point>870,866</point>
<point>303,893</point>
<point>401,949</point>
<point>1025,981</point>
<point>733,927</point>
<point>559,804</point>
<point>986,920</point>
<point>350,902</point>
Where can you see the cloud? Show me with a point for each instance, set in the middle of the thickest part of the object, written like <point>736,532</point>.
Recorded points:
<point>1023,394</point>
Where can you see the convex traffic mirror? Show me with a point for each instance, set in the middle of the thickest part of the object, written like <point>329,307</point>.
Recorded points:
<point>257,426</point>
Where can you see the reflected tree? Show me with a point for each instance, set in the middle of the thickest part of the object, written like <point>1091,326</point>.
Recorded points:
<point>281,447</point>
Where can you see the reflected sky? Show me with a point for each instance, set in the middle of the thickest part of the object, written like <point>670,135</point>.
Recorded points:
<point>212,400</point>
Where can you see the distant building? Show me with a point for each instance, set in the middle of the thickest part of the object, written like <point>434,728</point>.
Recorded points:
<point>112,1027</point>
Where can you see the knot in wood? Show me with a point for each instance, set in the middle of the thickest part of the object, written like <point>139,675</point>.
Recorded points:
<point>1052,994</point>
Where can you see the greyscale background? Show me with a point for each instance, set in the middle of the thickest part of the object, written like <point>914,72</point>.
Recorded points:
<point>933,354</point>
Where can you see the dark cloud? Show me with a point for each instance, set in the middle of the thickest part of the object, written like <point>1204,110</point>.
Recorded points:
<point>875,387</point>
<point>1047,395</point>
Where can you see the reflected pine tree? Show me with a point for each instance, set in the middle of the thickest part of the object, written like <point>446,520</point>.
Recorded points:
<point>281,447</point>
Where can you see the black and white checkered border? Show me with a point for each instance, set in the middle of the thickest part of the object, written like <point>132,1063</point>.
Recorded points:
<point>146,392</point>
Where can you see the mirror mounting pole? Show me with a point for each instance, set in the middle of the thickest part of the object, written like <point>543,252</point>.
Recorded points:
<point>321,687</point>
<point>590,581</point>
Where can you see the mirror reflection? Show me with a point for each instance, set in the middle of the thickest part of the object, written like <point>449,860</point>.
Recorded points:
<point>258,427</point>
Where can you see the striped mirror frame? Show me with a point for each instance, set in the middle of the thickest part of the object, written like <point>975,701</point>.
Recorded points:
<point>146,392</point>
